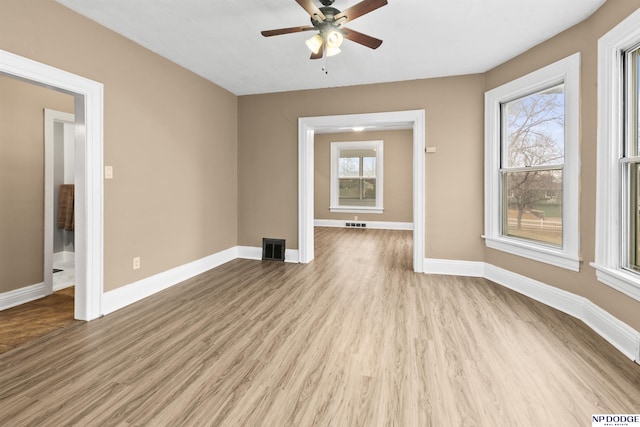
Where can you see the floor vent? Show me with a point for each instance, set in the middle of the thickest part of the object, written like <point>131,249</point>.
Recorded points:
<point>356,224</point>
<point>272,249</point>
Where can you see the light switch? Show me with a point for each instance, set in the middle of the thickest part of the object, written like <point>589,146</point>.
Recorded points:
<point>108,172</point>
<point>431,149</point>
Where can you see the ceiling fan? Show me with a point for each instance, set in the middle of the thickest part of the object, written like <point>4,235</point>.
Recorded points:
<point>328,22</point>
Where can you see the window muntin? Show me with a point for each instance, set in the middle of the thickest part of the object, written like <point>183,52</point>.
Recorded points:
<point>532,146</point>
<point>356,176</point>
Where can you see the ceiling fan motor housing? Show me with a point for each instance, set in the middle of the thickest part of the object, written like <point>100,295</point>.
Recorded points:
<point>329,23</point>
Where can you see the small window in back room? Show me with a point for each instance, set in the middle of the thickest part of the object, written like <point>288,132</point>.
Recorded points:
<point>356,177</point>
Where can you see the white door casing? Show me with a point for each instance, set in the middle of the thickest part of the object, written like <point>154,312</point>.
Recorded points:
<point>308,126</point>
<point>88,172</point>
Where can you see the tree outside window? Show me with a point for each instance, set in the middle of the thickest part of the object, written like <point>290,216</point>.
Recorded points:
<point>532,166</point>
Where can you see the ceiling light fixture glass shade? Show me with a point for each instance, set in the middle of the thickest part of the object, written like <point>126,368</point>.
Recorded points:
<point>334,39</point>
<point>331,51</point>
<point>315,43</point>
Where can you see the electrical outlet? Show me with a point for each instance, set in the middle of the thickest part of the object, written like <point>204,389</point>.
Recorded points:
<point>136,263</point>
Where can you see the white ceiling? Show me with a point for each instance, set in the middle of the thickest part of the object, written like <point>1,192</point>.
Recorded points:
<point>221,41</point>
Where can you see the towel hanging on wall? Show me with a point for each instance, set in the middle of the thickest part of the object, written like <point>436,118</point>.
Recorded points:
<point>66,219</point>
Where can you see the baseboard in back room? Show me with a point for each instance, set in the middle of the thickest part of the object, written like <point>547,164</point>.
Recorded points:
<point>380,225</point>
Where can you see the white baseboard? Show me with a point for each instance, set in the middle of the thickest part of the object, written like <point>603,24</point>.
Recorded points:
<point>617,333</point>
<point>59,257</point>
<point>453,268</point>
<point>554,297</point>
<point>380,225</point>
<point>128,294</point>
<point>21,296</point>
<point>252,252</point>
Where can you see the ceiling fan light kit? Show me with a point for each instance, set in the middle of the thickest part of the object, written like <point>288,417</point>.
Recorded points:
<point>334,39</point>
<point>315,43</point>
<point>328,22</point>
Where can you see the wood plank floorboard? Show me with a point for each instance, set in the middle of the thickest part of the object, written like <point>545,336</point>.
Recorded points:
<point>30,321</point>
<point>354,338</point>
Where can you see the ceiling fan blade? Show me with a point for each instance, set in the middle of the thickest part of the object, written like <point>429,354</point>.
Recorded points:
<point>363,39</point>
<point>269,33</point>
<point>311,8</point>
<point>360,9</point>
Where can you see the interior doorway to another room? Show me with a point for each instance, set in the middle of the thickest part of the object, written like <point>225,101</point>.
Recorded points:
<point>88,174</point>
<point>363,182</point>
<point>308,127</point>
<point>59,245</point>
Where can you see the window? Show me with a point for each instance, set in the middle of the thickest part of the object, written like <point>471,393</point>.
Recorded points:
<point>532,165</point>
<point>356,177</point>
<point>532,146</point>
<point>617,260</point>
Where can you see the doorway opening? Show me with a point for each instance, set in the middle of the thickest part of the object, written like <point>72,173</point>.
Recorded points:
<point>59,180</point>
<point>88,128</point>
<point>309,126</point>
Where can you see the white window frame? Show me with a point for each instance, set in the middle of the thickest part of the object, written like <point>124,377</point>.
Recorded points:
<point>565,71</point>
<point>609,254</point>
<point>336,147</point>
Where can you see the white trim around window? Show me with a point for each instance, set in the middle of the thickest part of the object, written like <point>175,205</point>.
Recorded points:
<point>565,71</point>
<point>609,256</point>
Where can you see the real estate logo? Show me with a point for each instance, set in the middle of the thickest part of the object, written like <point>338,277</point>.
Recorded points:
<point>615,420</point>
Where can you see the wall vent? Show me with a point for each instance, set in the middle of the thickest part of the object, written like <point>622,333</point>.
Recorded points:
<point>356,224</point>
<point>273,249</point>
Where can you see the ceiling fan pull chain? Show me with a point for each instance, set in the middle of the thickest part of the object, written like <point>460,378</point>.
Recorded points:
<point>324,58</point>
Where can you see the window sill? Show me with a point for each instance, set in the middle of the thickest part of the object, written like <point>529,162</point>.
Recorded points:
<point>622,280</point>
<point>357,209</point>
<point>539,253</point>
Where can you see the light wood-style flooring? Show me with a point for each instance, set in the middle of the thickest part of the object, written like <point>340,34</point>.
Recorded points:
<point>354,338</point>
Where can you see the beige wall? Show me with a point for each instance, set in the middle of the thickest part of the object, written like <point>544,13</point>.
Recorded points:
<point>22,179</point>
<point>170,136</point>
<point>397,175</point>
<point>581,38</point>
<point>268,157</point>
